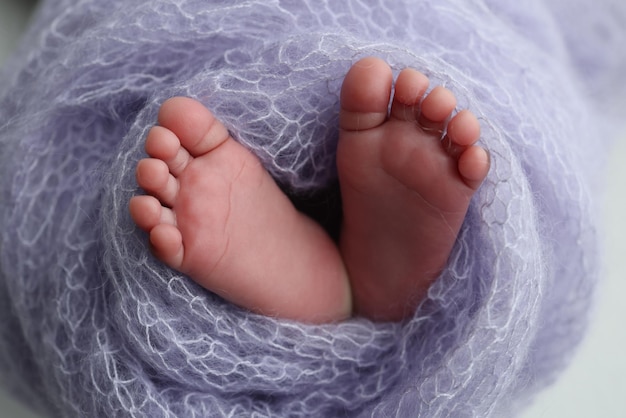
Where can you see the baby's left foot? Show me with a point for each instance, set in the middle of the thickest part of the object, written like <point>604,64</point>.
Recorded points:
<point>405,191</point>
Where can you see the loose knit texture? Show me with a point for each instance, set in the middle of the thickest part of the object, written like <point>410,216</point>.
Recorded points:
<point>93,326</point>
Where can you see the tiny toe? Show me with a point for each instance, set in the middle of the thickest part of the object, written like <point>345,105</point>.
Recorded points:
<point>474,165</point>
<point>409,91</point>
<point>436,108</point>
<point>365,95</point>
<point>163,144</point>
<point>464,129</point>
<point>167,245</point>
<point>194,125</point>
<point>154,177</point>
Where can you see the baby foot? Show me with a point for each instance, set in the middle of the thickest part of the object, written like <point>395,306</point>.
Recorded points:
<point>405,191</point>
<point>215,214</point>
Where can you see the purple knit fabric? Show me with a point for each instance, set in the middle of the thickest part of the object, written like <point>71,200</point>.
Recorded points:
<point>93,326</point>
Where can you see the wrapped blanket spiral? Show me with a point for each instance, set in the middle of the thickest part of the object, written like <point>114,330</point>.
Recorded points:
<point>93,326</point>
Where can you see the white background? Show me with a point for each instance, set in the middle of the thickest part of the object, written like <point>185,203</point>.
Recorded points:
<point>595,384</point>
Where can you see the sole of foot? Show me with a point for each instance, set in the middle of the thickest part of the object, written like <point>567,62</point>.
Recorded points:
<point>406,186</point>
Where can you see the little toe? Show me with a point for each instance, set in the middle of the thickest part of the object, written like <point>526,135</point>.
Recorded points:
<point>163,144</point>
<point>154,177</point>
<point>474,165</point>
<point>195,126</point>
<point>167,244</point>
<point>436,108</point>
<point>365,95</point>
<point>409,91</point>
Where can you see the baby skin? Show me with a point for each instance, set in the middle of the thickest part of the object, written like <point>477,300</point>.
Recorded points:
<point>215,214</point>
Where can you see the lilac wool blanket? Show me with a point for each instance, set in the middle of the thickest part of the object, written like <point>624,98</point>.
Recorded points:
<point>93,326</point>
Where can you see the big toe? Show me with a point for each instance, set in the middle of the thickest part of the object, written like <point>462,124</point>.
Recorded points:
<point>365,95</point>
<point>195,126</point>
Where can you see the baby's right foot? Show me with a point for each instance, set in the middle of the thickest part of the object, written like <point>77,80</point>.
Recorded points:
<point>214,213</point>
<point>405,192</point>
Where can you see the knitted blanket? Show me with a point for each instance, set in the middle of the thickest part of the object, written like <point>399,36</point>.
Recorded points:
<point>93,326</point>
